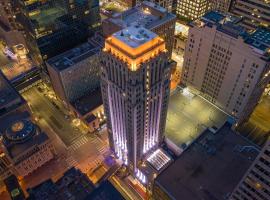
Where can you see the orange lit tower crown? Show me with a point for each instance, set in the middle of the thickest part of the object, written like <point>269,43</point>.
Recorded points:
<point>134,45</point>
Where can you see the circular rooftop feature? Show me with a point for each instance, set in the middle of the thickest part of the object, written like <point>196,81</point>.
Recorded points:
<point>18,126</point>
<point>20,131</point>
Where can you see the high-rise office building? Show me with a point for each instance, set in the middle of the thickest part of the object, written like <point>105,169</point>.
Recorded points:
<point>254,12</point>
<point>229,66</point>
<point>190,10</point>
<point>135,79</point>
<point>54,26</point>
<point>75,73</point>
<point>256,183</point>
<point>148,15</point>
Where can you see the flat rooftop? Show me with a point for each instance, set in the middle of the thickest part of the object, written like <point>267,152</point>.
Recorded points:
<point>47,15</point>
<point>146,14</point>
<point>219,18</point>
<point>189,115</point>
<point>9,97</point>
<point>73,56</point>
<point>135,36</point>
<point>229,24</point>
<point>88,102</point>
<point>18,149</point>
<point>260,39</point>
<point>210,168</point>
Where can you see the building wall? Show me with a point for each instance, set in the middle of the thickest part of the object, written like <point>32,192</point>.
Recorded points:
<point>221,5</point>
<point>166,31</point>
<point>74,22</point>
<point>256,182</point>
<point>56,81</point>
<point>179,44</point>
<point>87,11</point>
<point>255,12</point>
<point>5,164</point>
<point>226,70</point>
<point>76,80</point>
<point>43,154</point>
<point>81,78</point>
<point>135,104</point>
<point>191,10</point>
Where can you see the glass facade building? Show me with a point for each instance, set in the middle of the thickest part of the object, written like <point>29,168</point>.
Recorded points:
<point>54,26</point>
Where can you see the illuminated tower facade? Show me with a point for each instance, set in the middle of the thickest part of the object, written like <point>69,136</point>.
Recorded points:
<point>135,79</point>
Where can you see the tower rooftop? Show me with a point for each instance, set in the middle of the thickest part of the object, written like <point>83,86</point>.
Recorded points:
<point>134,45</point>
<point>146,14</point>
<point>135,36</point>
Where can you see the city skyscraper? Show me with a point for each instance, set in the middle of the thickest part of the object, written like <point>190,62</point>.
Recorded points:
<point>229,66</point>
<point>135,79</point>
<point>52,27</point>
<point>255,12</point>
<point>191,10</point>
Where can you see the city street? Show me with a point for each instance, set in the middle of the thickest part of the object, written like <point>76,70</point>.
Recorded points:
<point>74,146</point>
<point>43,108</point>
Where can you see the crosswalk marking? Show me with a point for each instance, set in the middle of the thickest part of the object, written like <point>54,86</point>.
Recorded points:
<point>83,140</point>
<point>71,161</point>
<point>95,142</point>
<point>102,149</point>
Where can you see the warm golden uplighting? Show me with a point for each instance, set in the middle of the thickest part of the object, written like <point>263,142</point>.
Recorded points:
<point>137,55</point>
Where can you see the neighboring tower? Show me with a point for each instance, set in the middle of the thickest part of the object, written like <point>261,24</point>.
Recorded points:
<point>148,15</point>
<point>135,79</point>
<point>55,26</point>
<point>221,5</point>
<point>190,10</point>
<point>256,183</point>
<point>229,66</point>
<point>255,12</point>
<point>75,73</point>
